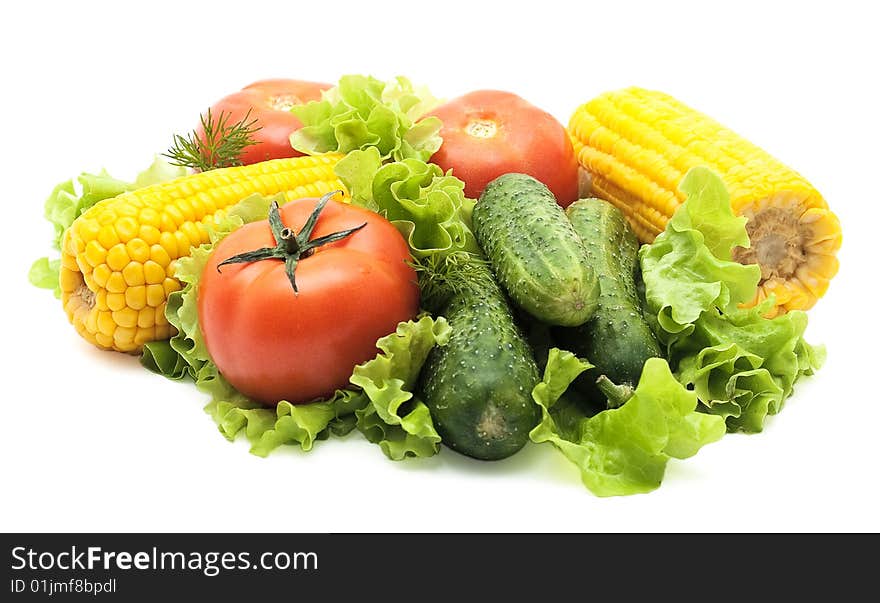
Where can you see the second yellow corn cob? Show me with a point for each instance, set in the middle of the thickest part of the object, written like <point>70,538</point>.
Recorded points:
<point>118,258</point>
<point>636,145</point>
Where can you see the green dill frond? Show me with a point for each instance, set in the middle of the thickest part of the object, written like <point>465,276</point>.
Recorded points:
<point>220,146</point>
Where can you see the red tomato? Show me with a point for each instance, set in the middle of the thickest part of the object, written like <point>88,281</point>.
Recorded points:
<point>488,133</point>
<point>269,102</point>
<point>272,344</point>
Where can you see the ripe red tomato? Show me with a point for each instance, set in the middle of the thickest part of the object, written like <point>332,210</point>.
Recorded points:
<point>488,133</point>
<point>273,344</point>
<point>269,102</point>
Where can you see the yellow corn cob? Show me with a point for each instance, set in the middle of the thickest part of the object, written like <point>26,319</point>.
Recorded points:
<point>636,145</point>
<point>118,258</point>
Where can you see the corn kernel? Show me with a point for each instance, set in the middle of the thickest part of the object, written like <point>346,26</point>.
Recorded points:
<point>167,223</point>
<point>107,236</point>
<point>169,244</point>
<point>173,212</point>
<point>186,209</point>
<point>159,255</point>
<point>68,279</point>
<point>103,341</point>
<point>159,316</point>
<point>126,228</point>
<point>115,301</point>
<point>70,262</point>
<point>155,295</point>
<point>149,234</point>
<point>88,228</point>
<point>125,317</point>
<point>137,250</point>
<point>183,243</point>
<point>125,207</point>
<point>124,338</point>
<point>107,217</point>
<point>116,283</point>
<point>94,253</point>
<point>106,324</point>
<point>101,300</point>
<point>207,203</point>
<point>202,232</point>
<point>92,321</point>
<point>146,317</point>
<point>117,257</point>
<point>192,233</point>
<point>100,274</point>
<point>171,285</point>
<point>133,273</point>
<point>77,244</point>
<point>153,272</point>
<point>150,217</point>
<point>146,334</point>
<point>136,297</point>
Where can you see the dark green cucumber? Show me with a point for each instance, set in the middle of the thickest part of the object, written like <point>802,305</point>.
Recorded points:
<point>617,339</point>
<point>535,253</point>
<point>478,386</point>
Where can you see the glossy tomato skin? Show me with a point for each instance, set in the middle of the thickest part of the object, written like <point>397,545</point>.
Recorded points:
<point>269,102</point>
<point>273,345</point>
<point>488,133</point>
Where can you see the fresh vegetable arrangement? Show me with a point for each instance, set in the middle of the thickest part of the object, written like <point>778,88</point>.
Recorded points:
<point>320,259</point>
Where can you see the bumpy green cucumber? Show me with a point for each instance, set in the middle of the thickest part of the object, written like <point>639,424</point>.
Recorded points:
<point>536,254</point>
<point>478,386</point>
<point>617,339</point>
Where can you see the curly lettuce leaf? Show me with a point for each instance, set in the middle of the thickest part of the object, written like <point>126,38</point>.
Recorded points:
<point>395,419</point>
<point>689,269</point>
<point>623,450</point>
<point>67,202</point>
<point>363,112</point>
<point>383,409</point>
<point>428,207</point>
<point>741,365</point>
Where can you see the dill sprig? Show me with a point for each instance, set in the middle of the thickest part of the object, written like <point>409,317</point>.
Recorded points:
<point>219,146</point>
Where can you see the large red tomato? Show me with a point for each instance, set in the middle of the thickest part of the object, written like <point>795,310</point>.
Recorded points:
<point>269,102</point>
<point>272,343</point>
<point>488,133</point>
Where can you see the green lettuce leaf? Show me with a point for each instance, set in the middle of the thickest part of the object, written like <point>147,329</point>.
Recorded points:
<point>65,204</point>
<point>364,112</point>
<point>383,408</point>
<point>395,419</point>
<point>428,207</point>
<point>44,274</point>
<point>741,365</point>
<point>689,269</point>
<point>622,450</point>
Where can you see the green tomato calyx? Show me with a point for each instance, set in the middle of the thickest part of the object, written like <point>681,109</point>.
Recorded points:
<point>290,246</point>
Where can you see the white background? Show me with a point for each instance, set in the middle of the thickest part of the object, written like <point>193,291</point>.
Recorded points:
<point>91,442</point>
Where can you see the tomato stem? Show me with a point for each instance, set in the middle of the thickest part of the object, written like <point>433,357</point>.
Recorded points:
<point>291,243</point>
<point>291,246</point>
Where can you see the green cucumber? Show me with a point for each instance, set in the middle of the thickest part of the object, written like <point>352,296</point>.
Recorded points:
<point>535,253</point>
<point>478,386</point>
<point>617,339</point>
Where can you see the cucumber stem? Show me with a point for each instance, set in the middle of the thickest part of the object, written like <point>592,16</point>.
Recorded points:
<point>617,394</point>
